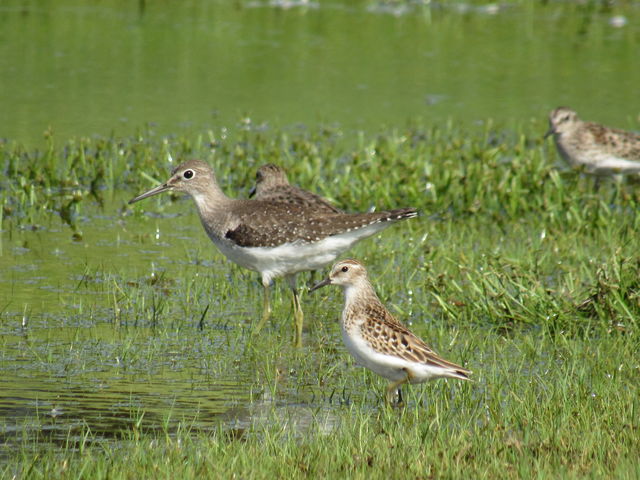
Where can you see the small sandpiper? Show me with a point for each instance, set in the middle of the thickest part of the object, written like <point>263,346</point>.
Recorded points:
<point>378,341</point>
<point>272,184</point>
<point>272,238</point>
<point>597,149</point>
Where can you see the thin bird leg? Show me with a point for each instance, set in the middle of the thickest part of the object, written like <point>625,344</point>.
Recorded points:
<point>298,319</point>
<point>393,388</point>
<point>266,308</point>
<point>596,183</point>
<point>298,316</point>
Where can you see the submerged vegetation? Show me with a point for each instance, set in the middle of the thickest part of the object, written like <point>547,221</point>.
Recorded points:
<point>517,269</point>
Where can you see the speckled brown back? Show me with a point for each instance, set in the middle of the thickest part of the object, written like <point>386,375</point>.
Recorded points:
<point>269,224</point>
<point>626,144</point>
<point>272,185</point>
<point>292,195</point>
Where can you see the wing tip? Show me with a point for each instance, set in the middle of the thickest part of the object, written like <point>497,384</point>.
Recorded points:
<point>402,213</point>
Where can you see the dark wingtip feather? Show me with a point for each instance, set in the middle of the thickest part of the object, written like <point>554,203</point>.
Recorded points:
<point>402,213</point>
<point>463,374</point>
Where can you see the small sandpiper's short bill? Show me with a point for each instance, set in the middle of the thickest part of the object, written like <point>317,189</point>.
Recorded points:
<point>377,341</point>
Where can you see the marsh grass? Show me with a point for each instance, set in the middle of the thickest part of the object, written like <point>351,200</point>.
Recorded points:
<point>539,406</point>
<point>518,269</point>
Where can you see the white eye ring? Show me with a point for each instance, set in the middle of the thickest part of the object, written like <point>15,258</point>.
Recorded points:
<point>188,174</point>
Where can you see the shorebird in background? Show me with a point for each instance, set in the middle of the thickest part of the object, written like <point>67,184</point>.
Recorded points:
<point>597,149</point>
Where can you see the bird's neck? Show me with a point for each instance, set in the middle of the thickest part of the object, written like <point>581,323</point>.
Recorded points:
<point>359,295</point>
<point>211,199</point>
<point>213,207</point>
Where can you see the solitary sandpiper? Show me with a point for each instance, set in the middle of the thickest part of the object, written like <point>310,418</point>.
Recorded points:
<point>272,184</point>
<point>272,238</point>
<point>378,341</point>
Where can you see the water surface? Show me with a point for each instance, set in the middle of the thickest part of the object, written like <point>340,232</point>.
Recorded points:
<point>139,321</point>
<point>115,66</point>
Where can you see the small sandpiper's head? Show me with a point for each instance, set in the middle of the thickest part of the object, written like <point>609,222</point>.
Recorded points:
<point>561,120</point>
<point>194,177</point>
<point>345,273</point>
<point>269,176</point>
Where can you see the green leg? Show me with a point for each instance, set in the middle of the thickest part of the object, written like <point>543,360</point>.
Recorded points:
<point>596,183</point>
<point>391,392</point>
<point>266,309</point>
<point>298,316</point>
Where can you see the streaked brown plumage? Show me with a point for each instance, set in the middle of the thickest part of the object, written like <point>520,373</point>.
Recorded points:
<point>593,147</point>
<point>272,185</point>
<point>377,340</point>
<point>296,224</point>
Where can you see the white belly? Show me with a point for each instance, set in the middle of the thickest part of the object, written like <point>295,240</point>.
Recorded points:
<point>384,365</point>
<point>388,366</point>
<point>291,258</point>
<point>597,159</point>
<point>608,164</point>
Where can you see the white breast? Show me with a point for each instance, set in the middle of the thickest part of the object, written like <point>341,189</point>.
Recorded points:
<point>610,164</point>
<point>391,368</point>
<point>595,158</point>
<point>291,258</point>
<point>388,366</point>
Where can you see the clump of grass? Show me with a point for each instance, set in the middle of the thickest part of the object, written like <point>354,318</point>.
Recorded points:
<point>518,270</point>
<point>452,171</point>
<point>539,405</point>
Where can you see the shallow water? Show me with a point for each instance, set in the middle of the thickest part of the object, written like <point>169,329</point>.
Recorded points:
<point>73,354</point>
<point>102,332</point>
<point>114,67</point>
<point>118,333</point>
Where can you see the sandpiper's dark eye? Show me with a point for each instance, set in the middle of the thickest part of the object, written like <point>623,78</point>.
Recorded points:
<point>188,174</point>
<point>345,269</point>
